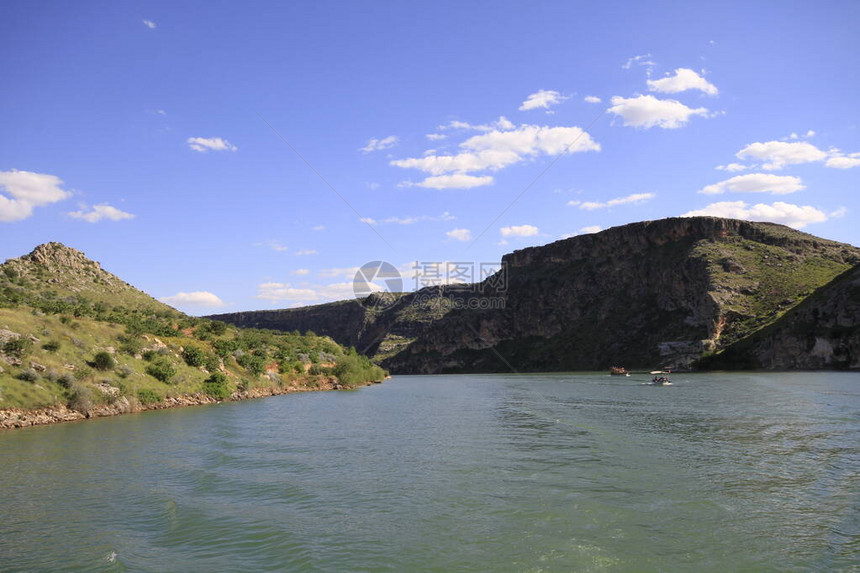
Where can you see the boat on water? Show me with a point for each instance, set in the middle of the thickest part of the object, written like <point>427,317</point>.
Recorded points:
<point>661,381</point>
<point>618,371</point>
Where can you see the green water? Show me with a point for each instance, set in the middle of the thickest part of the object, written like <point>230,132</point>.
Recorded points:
<point>559,472</point>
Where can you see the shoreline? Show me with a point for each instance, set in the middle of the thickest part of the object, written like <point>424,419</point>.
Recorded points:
<point>16,418</point>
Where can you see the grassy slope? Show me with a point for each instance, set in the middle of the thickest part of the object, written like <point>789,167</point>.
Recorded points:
<point>68,310</point>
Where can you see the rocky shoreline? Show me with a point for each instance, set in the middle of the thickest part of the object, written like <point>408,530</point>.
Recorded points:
<point>13,418</point>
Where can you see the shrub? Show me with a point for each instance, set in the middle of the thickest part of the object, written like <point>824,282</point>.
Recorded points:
<point>161,369</point>
<point>212,363</point>
<point>252,363</point>
<point>66,380</point>
<point>224,348</point>
<point>353,370</point>
<point>124,371</point>
<point>103,361</point>
<point>130,345</point>
<point>217,327</point>
<point>216,386</point>
<point>81,399</point>
<point>147,396</point>
<point>194,356</point>
<point>51,346</point>
<point>28,375</point>
<point>18,347</point>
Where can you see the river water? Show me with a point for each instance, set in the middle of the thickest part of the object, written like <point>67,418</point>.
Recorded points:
<point>538,472</point>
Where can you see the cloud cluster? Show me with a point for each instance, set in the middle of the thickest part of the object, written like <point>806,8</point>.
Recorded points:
<point>22,191</point>
<point>464,235</point>
<point>519,231</point>
<point>542,99</point>
<point>775,155</point>
<point>684,79</point>
<point>200,298</point>
<point>646,111</point>
<point>785,213</point>
<point>100,212</point>
<point>495,150</point>
<point>756,183</point>
<point>380,144</point>
<point>446,216</point>
<point>204,144</point>
<point>636,198</point>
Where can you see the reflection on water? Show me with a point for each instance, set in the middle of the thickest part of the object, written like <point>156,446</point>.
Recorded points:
<point>554,472</point>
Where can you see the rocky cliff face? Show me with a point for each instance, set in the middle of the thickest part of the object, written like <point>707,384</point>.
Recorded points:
<point>656,293</point>
<point>822,332</point>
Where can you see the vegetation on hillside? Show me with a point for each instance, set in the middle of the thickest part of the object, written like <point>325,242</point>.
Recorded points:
<point>74,334</point>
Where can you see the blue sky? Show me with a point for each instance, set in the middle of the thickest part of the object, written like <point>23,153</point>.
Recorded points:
<point>158,137</point>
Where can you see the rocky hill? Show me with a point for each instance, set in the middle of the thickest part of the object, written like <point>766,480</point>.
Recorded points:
<point>54,275</point>
<point>77,341</point>
<point>822,332</point>
<point>656,293</point>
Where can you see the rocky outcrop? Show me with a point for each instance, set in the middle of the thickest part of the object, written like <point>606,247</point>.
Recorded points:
<point>655,293</point>
<point>822,332</point>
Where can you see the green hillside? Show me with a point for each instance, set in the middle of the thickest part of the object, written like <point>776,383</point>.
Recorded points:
<point>73,334</point>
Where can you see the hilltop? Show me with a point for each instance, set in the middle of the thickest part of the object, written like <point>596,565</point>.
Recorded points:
<point>77,341</point>
<point>664,293</point>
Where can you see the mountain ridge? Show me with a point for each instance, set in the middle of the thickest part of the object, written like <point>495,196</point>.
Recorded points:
<point>654,293</point>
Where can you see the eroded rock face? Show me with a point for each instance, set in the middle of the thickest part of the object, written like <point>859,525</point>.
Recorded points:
<point>656,293</point>
<point>823,332</point>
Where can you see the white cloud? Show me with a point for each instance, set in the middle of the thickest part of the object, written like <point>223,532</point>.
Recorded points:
<point>683,80</point>
<point>519,231</point>
<point>839,213</point>
<point>304,252</point>
<point>372,185</point>
<point>778,154</point>
<point>463,235</point>
<point>435,136</point>
<point>99,212</point>
<point>756,183</point>
<point>301,272</point>
<point>286,292</point>
<point>807,135</point>
<point>204,144</point>
<point>590,229</point>
<point>196,298</point>
<point>733,167</point>
<point>839,161</point>
<point>273,291</point>
<point>542,98</point>
<point>592,99</point>
<point>319,228</point>
<point>643,60</point>
<point>446,216</point>
<point>455,181</point>
<point>21,191</point>
<point>785,213</point>
<point>496,150</point>
<point>501,124</point>
<point>592,205</point>
<point>646,111</point>
<point>149,24</point>
<point>380,144</point>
